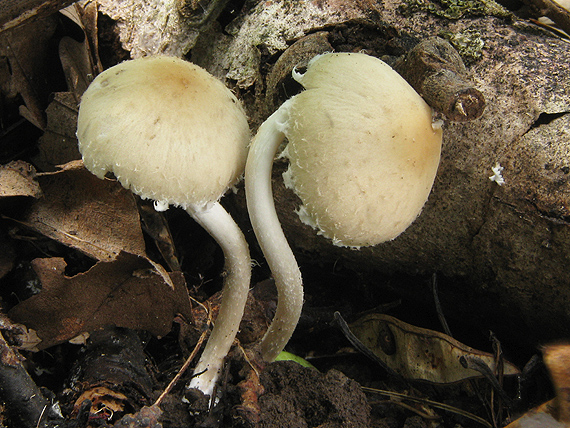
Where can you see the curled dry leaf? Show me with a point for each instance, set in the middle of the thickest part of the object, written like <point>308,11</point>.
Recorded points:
<point>418,353</point>
<point>58,145</point>
<point>557,360</point>
<point>86,14</point>
<point>126,293</point>
<point>18,335</point>
<point>156,226</point>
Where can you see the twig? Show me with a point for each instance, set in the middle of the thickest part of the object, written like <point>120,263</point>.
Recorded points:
<point>435,69</point>
<point>554,11</point>
<point>438,308</point>
<point>16,12</point>
<point>182,370</point>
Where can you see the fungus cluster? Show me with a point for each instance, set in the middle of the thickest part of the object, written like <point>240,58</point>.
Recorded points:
<point>363,153</point>
<point>171,132</point>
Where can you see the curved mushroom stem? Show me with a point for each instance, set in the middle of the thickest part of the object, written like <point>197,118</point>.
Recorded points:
<point>270,235</point>
<point>221,226</point>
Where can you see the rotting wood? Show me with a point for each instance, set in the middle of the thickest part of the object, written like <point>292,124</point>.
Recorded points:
<point>26,402</point>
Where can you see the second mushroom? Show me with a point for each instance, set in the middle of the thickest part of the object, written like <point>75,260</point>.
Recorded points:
<point>363,151</point>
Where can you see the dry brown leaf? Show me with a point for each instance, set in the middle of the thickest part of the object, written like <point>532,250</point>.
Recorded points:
<point>76,59</point>
<point>84,14</point>
<point>126,292</point>
<point>418,353</point>
<point>156,226</point>
<point>542,416</point>
<point>18,335</point>
<point>58,145</point>
<point>97,217</point>
<point>18,179</point>
<point>76,63</point>
<point>557,359</point>
<point>16,12</point>
<point>556,412</point>
<point>26,49</point>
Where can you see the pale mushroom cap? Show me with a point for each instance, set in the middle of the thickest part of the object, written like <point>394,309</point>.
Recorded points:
<point>362,147</point>
<point>166,128</point>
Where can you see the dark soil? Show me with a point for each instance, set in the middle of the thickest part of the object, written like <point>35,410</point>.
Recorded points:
<point>297,396</point>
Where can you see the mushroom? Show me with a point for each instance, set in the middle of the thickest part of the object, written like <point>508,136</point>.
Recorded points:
<point>171,132</point>
<point>363,152</point>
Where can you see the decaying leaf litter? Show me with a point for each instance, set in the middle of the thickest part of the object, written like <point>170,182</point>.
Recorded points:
<point>80,241</point>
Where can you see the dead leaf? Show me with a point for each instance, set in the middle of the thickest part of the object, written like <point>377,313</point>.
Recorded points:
<point>26,49</point>
<point>551,413</point>
<point>418,353</point>
<point>557,360</point>
<point>18,179</point>
<point>542,416</point>
<point>76,64</point>
<point>18,335</point>
<point>84,14</point>
<point>58,144</point>
<point>155,225</point>
<point>97,217</point>
<point>126,293</point>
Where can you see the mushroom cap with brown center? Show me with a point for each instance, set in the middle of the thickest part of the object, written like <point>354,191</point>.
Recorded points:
<point>167,130</point>
<point>363,149</point>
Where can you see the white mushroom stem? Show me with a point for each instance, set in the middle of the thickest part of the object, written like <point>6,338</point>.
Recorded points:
<point>270,235</point>
<point>221,226</point>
